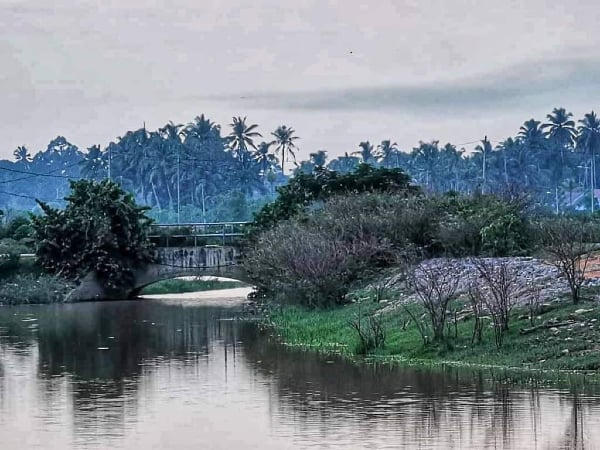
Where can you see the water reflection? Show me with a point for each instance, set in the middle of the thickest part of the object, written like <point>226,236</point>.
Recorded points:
<point>446,408</point>
<point>152,374</point>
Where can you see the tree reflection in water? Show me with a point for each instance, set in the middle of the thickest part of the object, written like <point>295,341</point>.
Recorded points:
<point>314,399</point>
<point>459,408</point>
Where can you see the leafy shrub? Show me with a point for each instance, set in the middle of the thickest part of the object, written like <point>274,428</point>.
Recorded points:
<point>484,225</point>
<point>18,228</point>
<point>10,251</point>
<point>304,189</point>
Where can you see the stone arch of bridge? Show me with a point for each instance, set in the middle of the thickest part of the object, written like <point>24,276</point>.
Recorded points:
<point>171,262</point>
<point>160,272</point>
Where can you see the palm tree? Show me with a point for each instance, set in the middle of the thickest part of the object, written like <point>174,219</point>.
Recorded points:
<point>241,137</point>
<point>344,164</point>
<point>588,138</point>
<point>22,155</point>
<point>284,139</point>
<point>201,133</point>
<point>318,158</point>
<point>366,152</point>
<point>388,153</point>
<point>451,163</point>
<point>92,166</point>
<point>263,158</point>
<point>425,158</point>
<point>485,149</point>
<point>171,131</point>
<point>560,131</point>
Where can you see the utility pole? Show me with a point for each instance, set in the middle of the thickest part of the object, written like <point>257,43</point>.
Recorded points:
<point>593,176</point>
<point>203,205</point>
<point>109,160</point>
<point>484,163</point>
<point>178,210</point>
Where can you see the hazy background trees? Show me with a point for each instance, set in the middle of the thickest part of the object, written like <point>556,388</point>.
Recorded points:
<point>201,172</point>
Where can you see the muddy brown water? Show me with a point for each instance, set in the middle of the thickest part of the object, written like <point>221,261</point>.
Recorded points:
<point>183,374</point>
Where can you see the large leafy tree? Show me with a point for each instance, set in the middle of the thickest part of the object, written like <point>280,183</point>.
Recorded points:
<point>101,230</point>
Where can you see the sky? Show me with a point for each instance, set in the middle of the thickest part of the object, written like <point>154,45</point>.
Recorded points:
<point>338,72</point>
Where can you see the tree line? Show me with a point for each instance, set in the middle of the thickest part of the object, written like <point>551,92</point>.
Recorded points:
<point>200,172</point>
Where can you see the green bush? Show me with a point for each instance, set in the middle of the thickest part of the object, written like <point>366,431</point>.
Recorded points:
<point>9,256</point>
<point>18,228</point>
<point>305,189</point>
<point>484,225</point>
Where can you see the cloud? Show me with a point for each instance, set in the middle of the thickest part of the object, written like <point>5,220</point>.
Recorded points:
<point>534,81</point>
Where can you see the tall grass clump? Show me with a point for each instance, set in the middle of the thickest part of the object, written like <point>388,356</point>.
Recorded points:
<point>30,288</point>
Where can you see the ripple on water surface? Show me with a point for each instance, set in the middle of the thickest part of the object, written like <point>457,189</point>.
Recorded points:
<point>182,374</point>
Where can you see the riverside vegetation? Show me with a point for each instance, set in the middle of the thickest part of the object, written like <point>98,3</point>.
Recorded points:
<point>101,231</point>
<point>348,270</point>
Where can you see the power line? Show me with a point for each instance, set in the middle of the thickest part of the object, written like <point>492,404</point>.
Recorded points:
<point>18,195</point>
<point>33,175</point>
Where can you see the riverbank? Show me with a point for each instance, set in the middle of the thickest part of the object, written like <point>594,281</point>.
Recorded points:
<point>233,297</point>
<point>34,288</point>
<point>190,284</point>
<point>563,340</point>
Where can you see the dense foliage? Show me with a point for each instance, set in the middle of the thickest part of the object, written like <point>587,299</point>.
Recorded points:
<point>314,258</point>
<point>304,189</point>
<point>101,230</point>
<point>195,172</point>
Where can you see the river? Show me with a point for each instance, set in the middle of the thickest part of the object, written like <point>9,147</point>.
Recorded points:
<point>183,374</point>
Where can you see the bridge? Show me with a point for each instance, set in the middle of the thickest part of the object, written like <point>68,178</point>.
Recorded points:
<point>187,249</point>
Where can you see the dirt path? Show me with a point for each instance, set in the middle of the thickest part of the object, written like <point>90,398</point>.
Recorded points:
<point>219,297</point>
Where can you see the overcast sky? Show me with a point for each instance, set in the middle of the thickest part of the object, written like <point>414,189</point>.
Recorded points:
<point>339,72</point>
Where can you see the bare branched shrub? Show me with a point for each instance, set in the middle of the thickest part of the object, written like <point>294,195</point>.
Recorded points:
<point>534,302</point>
<point>314,259</point>
<point>496,288</point>
<point>477,307</point>
<point>310,264</point>
<point>435,285</point>
<point>420,323</point>
<point>567,241</point>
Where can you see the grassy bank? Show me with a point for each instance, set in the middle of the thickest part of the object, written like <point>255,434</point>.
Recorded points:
<point>550,352</point>
<point>176,286</point>
<point>33,288</point>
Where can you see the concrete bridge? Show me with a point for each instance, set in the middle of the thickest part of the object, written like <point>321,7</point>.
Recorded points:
<point>176,261</point>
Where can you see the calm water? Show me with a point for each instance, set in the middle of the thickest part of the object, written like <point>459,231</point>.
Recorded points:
<point>152,374</point>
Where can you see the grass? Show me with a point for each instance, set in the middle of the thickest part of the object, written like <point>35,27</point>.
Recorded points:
<point>33,288</point>
<point>176,286</point>
<point>550,353</point>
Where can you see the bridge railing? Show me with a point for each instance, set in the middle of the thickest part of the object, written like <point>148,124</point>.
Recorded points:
<point>196,234</point>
